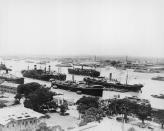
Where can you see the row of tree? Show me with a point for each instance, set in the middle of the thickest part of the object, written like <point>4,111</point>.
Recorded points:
<point>92,109</point>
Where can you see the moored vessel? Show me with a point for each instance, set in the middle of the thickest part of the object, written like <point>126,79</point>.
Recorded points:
<point>43,74</point>
<point>84,72</point>
<point>9,77</point>
<point>113,84</point>
<point>81,87</point>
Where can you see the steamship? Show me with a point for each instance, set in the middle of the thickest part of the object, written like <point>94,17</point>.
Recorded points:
<point>43,74</point>
<point>113,83</point>
<point>84,72</point>
<point>79,87</point>
<point>9,77</point>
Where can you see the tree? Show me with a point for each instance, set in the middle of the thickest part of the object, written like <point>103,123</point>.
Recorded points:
<point>2,105</point>
<point>143,112</point>
<point>93,114</point>
<point>63,108</point>
<point>18,97</point>
<point>159,116</point>
<point>28,88</point>
<point>124,108</point>
<point>85,103</point>
<point>16,102</point>
<point>41,100</point>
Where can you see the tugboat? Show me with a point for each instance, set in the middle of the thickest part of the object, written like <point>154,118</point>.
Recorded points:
<point>80,87</point>
<point>84,72</point>
<point>43,74</point>
<point>113,83</point>
<point>9,77</point>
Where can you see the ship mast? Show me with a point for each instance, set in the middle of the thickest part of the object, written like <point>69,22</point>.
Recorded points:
<point>127,78</point>
<point>73,79</point>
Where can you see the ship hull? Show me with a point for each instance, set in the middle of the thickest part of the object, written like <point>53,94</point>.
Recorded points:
<point>133,88</point>
<point>88,91</point>
<point>84,72</point>
<point>46,77</point>
<point>37,74</point>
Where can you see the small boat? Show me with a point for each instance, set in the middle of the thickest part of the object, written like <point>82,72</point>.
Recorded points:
<point>159,78</point>
<point>161,96</point>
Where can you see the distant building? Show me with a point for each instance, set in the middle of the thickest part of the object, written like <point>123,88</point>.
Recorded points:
<point>8,87</point>
<point>19,118</point>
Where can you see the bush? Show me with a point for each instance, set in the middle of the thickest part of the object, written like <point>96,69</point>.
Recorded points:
<point>82,123</point>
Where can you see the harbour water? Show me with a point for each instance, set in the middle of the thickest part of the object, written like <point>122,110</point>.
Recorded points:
<point>150,86</point>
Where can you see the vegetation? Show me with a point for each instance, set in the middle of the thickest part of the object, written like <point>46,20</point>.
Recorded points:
<point>92,109</point>
<point>143,112</point>
<point>2,105</point>
<point>85,103</point>
<point>26,89</point>
<point>41,100</point>
<point>18,97</point>
<point>63,108</point>
<point>159,117</point>
<point>93,114</point>
<point>16,102</point>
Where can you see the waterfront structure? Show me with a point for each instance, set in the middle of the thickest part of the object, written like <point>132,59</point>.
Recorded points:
<point>8,87</point>
<point>12,78</point>
<point>19,118</point>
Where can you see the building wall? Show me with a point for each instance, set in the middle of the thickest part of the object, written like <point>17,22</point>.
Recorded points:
<point>22,125</point>
<point>8,89</point>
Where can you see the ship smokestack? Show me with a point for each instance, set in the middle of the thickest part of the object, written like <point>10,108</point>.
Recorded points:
<point>45,69</point>
<point>110,76</point>
<point>7,71</point>
<point>73,79</point>
<point>82,67</point>
<point>49,68</point>
<point>35,67</point>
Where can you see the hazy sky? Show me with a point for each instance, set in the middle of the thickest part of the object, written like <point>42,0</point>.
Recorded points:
<point>76,27</point>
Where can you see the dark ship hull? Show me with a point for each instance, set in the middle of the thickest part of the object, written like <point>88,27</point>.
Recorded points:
<point>89,90</point>
<point>84,72</point>
<point>14,79</point>
<point>134,88</point>
<point>40,75</point>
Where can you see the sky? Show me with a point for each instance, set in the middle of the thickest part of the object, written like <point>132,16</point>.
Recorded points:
<point>82,27</point>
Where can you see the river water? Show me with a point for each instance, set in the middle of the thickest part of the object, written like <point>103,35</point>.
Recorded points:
<point>150,86</point>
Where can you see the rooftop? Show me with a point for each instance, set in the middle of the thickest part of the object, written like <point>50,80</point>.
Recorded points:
<point>9,114</point>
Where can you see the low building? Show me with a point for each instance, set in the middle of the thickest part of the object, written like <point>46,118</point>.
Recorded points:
<point>8,87</point>
<point>19,118</point>
<point>71,99</point>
